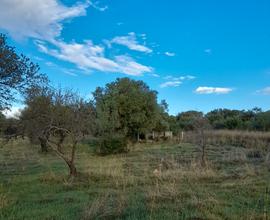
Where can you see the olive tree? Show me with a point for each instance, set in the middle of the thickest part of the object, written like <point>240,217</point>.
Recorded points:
<point>72,118</point>
<point>37,115</point>
<point>58,119</point>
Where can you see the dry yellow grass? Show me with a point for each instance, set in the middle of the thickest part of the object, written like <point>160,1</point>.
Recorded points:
<point>247,139</point>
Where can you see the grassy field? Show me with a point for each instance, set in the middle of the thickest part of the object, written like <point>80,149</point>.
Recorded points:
<point>162,181</point>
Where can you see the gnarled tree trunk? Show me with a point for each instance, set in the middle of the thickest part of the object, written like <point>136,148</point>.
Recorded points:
<point>72,169</point>
<point>43,144</point>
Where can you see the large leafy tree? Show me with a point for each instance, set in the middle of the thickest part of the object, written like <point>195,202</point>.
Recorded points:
<point>126,107</point>
<point>17,73</point>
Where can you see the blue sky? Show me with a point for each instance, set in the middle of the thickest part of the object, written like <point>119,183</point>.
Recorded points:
<point>197,54</point>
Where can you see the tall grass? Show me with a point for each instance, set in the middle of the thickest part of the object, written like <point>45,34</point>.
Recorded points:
<point>246,139</point>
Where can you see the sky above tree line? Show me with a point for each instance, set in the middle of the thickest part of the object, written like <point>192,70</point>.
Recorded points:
<point>198,55</point>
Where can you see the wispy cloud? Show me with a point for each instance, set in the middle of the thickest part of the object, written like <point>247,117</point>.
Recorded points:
<point>155,75</point>
<point>128,66</point>
<point>97,6</point>
<point>171,84</point>
<point>170,54</point>
<point>213,90</point>
<point>70,72</point>
<point>182,78</point>
<point>87,56</point>
<point>264,91</point>
<point>131,42</point>
<point>173,81</point>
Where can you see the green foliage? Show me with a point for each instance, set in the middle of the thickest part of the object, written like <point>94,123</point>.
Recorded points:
<point>163,118</point>
<point>127,107</point>
<point>37,114</point>
<point>58,119</point>
<point>234,119</point>
<point>186,120</point>
<point>17,73</point>
<point>112,145</point>
<point>262,121</point>
<point>10,128</point>
<point>253,120</point>
<point>61,108</point>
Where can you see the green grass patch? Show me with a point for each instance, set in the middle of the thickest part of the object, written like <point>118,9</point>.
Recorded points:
<point>161,181</point>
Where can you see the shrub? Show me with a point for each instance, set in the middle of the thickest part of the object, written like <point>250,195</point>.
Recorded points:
<point>112,145</point>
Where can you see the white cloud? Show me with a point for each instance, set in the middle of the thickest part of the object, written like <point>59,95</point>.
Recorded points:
<point>131,42</point>
<point>175,81</point>
<point>37,18</point>
<point>88,56</point>
<point>170,54</point>
<point>128,66</point>
<point>43,21</point>
<point>213,90</point>
<point>14,112</point>
<point>264,91</point>
<point>171,84</point>
<point>180,78</point>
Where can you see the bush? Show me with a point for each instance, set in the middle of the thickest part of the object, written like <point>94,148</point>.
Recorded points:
<point>112,145</point>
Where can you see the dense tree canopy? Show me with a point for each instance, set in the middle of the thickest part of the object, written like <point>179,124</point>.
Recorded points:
<point>127,107</point>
